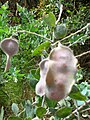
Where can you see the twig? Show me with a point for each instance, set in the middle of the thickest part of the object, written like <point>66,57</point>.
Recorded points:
<point>79,108</point>
<point>72,34</point>
<point>33,33</point>
<point>76,32</point>
<point>61,9</point>
<point>87,109</point>
<point>21,112</point>
<point>78,115</point>
<point>43,100</point>
<point>82,54</point>
<point>79,40</point>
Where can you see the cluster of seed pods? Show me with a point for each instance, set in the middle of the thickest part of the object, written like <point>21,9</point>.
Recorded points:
<point>57,72</point>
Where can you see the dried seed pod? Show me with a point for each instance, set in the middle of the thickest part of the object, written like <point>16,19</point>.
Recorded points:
<point>57,73</point>
<point>61,72</point>
<point>40,86</point>
<point>10,47</point>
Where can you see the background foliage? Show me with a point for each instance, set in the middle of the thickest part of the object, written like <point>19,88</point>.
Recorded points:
<point>18,100</point>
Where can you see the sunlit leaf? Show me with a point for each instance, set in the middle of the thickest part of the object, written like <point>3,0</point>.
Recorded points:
<point>1,11</point>
<point>2,31</point>
<point>50,19</point>
<point>40,48</point>
<point>4,7</point>
<point>79,103</point>
<point>76,94</point>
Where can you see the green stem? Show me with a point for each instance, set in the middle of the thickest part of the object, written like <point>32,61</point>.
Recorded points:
<point>7,63</point>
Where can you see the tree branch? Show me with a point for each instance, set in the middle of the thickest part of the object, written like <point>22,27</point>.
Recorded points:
<point>78,115</point>
<point>79,108</point>
<point>82,54</point>
<point>61,9</point>
<point>87,109</point>
<point>72,34</point>
<point>33,33</point>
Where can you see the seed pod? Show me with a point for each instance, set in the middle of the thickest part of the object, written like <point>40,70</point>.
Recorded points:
<point>10,47</point>
<point>60,31</point>
<point>57,73</point>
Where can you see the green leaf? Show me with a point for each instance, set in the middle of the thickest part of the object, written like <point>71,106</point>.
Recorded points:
<point>63,112</point>
<point>40,112</point>
<point>19,8</point>
<point>29,109</point>
<point>14,118</point>
<point>2,113</point>
<point>52,110</point>
<point>2,31</point>
<point>15,108</point>
<point>51,103</point>
<point>69,11</point>
<point>1,11</point>
<point>75,89</point>
<point>40,48</point>
<point>79,103</point>
<point>4,7</point>
<point>33,83</point>
<point>75,94</point>
<point>50,19</point>
<point>35,73</point>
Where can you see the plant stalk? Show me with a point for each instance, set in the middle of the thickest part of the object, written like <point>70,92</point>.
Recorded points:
<point>7,63</point>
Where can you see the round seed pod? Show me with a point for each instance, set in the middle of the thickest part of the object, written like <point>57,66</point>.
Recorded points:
<point>10,47</point>
<point>60,31</point>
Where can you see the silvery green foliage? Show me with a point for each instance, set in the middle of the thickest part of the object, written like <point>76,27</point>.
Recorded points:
<point>15,108</point>
<point>2,113</point>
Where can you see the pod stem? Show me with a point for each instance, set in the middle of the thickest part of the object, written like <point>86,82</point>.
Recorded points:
<point>7,63</point>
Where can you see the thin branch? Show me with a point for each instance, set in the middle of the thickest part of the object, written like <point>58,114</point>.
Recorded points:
<point>72,34</point>
<point>59,17</point>
<point>79,40</point>
<point>33,33</point>
<point>79,108</point>
<point>61,9</point>
<point>87,109</point>
<point>78,115</point>
<point>83,54</point>
<point>43,100</point>
<point>75,32</point>
<point>21,112</point>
